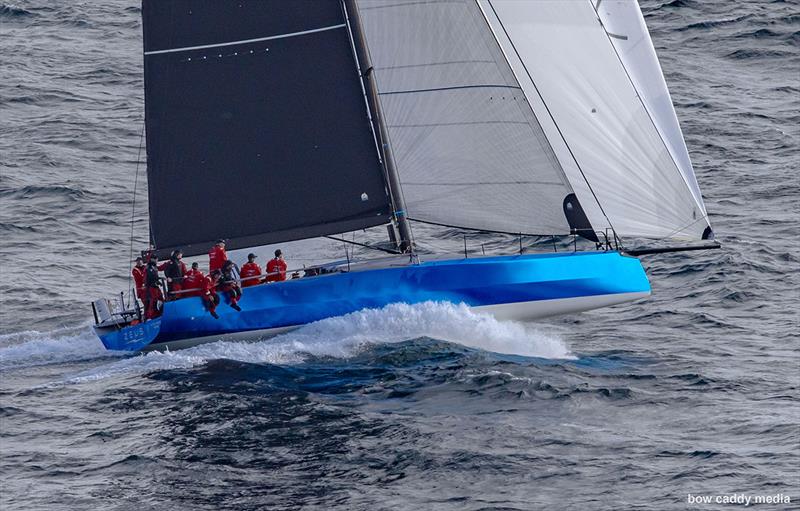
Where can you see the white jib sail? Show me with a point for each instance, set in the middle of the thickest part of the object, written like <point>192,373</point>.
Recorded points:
<point>602,128</point>
<point>625,26</point>
<point>467,146</point>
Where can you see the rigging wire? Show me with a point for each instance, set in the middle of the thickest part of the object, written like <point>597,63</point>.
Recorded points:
<point>381,249</point>
<point>133,214</point>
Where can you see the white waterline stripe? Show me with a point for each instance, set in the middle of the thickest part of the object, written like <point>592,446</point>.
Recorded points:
<point>245,41</point>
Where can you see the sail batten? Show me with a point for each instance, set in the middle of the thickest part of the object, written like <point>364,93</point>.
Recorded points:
<point>261,138</point>
<point>245,41</point>
<point>454,87</point>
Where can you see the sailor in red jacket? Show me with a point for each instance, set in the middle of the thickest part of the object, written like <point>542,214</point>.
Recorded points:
<point>276,268</point>
<point>138,272</point>
<point>250,271</point>
<point>208,292</point>
<point>217,256</point>
<point>193,280</point>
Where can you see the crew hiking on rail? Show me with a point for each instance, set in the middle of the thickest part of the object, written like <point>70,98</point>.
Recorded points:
<point>224,276</point>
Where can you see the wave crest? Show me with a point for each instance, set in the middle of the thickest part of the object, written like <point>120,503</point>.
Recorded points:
<point>347,336</point>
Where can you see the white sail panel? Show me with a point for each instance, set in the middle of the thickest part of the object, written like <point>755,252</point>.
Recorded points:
<point>574,77</point>
<point>625,25</point>
<point>468,149</point>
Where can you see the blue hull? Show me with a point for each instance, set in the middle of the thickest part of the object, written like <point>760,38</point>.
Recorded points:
<point>519,282</point>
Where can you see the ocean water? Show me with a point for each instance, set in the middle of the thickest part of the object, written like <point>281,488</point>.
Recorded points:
<point>695,391</point>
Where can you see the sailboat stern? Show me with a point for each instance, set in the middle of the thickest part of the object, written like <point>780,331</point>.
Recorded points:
<point>132,337</point>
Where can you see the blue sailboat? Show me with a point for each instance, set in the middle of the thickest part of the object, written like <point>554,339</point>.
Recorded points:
<point>275,121</point>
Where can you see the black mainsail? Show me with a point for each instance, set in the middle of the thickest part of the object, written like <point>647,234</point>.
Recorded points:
<point>257,128</point>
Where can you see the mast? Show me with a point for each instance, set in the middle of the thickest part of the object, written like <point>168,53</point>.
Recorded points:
<point>371,91</point>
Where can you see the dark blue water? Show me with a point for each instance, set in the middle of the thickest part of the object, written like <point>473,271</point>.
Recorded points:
<point>694,391</point>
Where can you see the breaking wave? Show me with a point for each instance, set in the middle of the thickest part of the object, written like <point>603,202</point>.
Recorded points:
<point>347,336</point>
<point>33,348</point>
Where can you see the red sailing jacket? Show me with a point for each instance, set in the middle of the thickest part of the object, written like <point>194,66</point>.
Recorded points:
<point>276,265</point>
<point>209,286</point>
<point>193,279</point>
<point>250,270</point>
<point>216,258</point>
<point>138,278</point>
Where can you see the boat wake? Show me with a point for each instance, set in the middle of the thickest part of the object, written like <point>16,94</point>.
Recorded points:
<point>32,348</point>
<point>339,337</point>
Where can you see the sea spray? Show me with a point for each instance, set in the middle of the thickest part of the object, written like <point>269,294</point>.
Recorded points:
<point>346,336</point>
<point>32,348</point>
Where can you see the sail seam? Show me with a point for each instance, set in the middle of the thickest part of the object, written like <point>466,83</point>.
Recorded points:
<point>445,63</point>
<point>455,87</point>
<point>475,183</point>
<point>649,116</point>
<point>405,4</point>
<point>246,41</point>
<point>466,123</point>
<point>453,226</point>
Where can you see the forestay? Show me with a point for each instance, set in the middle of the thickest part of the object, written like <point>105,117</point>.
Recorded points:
<point>257,128</point>
<point>467,147</point>
<point>606,112</point>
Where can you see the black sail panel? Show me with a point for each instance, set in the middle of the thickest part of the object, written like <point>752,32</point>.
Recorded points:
<point>257,129</point>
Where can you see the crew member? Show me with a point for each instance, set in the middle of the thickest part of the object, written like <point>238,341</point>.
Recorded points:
<point>208,292</point>
<point>229,283</point>
<point>193,280</point>
<point>174,270</point>
<point>251,272</point>
<point>217,256</point>
<point>148,253</point>
<point>276,268</point>
<point>138,273</point>
<point>153,293</point>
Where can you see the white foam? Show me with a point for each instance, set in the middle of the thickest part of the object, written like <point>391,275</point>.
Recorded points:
<point>346,336</point>
<point>32,348</point>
